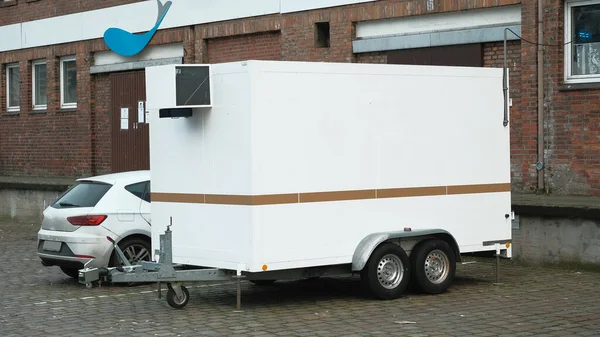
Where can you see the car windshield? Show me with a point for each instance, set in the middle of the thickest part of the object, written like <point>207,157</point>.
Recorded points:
<point>82,194</point>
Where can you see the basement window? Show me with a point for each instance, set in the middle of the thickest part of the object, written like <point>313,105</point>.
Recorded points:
<point>322,35</point>
<point>582,29</point>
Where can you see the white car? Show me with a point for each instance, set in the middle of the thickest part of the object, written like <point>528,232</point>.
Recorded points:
<point>75,228</point>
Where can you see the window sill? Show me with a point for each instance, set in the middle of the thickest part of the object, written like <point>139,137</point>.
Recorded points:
<point>579,86</point>
<point>8,3</point>
<point>66,110</point>
<point>11,113</point>
<point>38,112</point>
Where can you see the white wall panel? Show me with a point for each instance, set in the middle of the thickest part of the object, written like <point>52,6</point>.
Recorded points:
<point>288,6</point>
<point>150,53</point>
<point>137,17</point>
<point>141,17</point>
<point>10,37</point>
<point>507,15</point>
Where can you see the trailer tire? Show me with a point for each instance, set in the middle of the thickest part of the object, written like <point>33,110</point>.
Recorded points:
<point>386,275</point>
<point>433,265</point>
<point>175,302</point>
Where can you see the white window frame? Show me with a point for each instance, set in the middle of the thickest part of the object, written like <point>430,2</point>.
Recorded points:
<point>33,75</point>
<point>8,107</point>
<point>64,105</point>
<point>568,48</point>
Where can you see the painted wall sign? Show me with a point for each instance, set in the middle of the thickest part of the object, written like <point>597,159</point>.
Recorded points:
<point>125,43</point>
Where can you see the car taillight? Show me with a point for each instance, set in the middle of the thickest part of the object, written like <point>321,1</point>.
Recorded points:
<point>87,220</point>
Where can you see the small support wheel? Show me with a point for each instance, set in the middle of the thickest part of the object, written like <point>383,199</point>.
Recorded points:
<point>89,285</point>
<point>177,302</point>
<point>387,273</point>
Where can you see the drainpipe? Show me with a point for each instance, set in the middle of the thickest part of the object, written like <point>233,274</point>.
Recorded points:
<point>540,90</point>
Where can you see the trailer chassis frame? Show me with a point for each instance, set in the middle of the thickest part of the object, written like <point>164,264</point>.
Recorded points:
<point>163,271</point>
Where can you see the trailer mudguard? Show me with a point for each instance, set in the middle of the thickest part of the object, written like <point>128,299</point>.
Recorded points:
<point>367,245</point>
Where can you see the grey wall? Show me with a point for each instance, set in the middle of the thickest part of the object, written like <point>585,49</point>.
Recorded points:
<point>25,204</point>
<point>556,240</point>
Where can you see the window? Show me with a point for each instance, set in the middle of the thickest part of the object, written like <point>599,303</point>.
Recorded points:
<point>68,83</point>
<point>13,90</point>
<point>82,194</point>
<point>582,29</point>
<point>39,85</point>
<point>140,190</point>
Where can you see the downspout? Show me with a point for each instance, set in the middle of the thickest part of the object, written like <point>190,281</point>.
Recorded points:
<point>540,91</point>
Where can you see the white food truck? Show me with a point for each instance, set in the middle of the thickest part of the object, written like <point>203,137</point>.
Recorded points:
<point>272,170</point>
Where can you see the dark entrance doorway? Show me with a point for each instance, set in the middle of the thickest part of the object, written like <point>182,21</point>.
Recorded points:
<point>130,135</point>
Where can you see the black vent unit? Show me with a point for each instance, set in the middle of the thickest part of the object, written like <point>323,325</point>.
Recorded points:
<point>175,113</point>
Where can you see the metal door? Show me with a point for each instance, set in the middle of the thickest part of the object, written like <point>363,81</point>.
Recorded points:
<point>470,55</point>
<point>130,132</point>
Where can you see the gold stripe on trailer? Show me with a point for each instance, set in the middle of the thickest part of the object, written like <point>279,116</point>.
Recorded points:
<point>293,198</point>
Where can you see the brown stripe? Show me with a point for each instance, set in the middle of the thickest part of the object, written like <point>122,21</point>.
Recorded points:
<point>338,196</point>
<point>292,198</point>
<point>175,197</point>
<point>250,200</point>
<point>217,199</point>
<point>275,199</point>
<point>470,189</point>
<point>411,192</point>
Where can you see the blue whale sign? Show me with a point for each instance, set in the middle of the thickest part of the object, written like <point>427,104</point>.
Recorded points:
<point>125,43</point>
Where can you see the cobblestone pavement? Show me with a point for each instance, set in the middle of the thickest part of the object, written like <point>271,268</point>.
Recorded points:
<point>41,301</point>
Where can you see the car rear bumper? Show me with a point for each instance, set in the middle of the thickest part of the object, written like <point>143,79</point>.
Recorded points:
<point>75,249</point>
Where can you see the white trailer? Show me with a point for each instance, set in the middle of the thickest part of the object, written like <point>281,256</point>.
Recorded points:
<point>274,170</point>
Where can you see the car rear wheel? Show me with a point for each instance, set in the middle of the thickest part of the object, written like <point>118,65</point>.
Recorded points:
<point>71,272</point>
<point>135,250</point>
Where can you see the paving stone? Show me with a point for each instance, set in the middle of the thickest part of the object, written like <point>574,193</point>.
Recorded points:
<point>42,301</point>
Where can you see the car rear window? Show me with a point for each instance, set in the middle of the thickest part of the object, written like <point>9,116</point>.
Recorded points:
<point>82,194</point>
<point>140,190</point>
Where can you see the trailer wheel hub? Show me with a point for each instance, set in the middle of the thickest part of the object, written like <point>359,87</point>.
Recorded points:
<point>436,266</point>
<point>390,271</point>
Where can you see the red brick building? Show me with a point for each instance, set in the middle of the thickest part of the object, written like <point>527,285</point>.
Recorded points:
<point>61,88</point>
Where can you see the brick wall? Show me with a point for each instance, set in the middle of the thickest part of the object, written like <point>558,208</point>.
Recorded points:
<point>493,56</point>
<point>261,46</point>
<point>572,117</point>
<point>377,57</point>
<point>52,142</point>
<point>16,11</point>
<point>101,124</point>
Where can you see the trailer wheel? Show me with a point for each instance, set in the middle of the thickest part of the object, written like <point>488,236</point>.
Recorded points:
<point>387,273</point>
<point>434,265</point>
<point>176,302</point>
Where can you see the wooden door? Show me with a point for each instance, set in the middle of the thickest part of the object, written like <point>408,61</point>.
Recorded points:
<point>130,133</point>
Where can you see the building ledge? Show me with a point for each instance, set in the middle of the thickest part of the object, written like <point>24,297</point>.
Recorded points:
<point>556,206</point>
<point>36,183</point>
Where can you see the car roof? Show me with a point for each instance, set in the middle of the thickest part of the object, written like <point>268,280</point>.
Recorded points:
<point>124,177</point>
